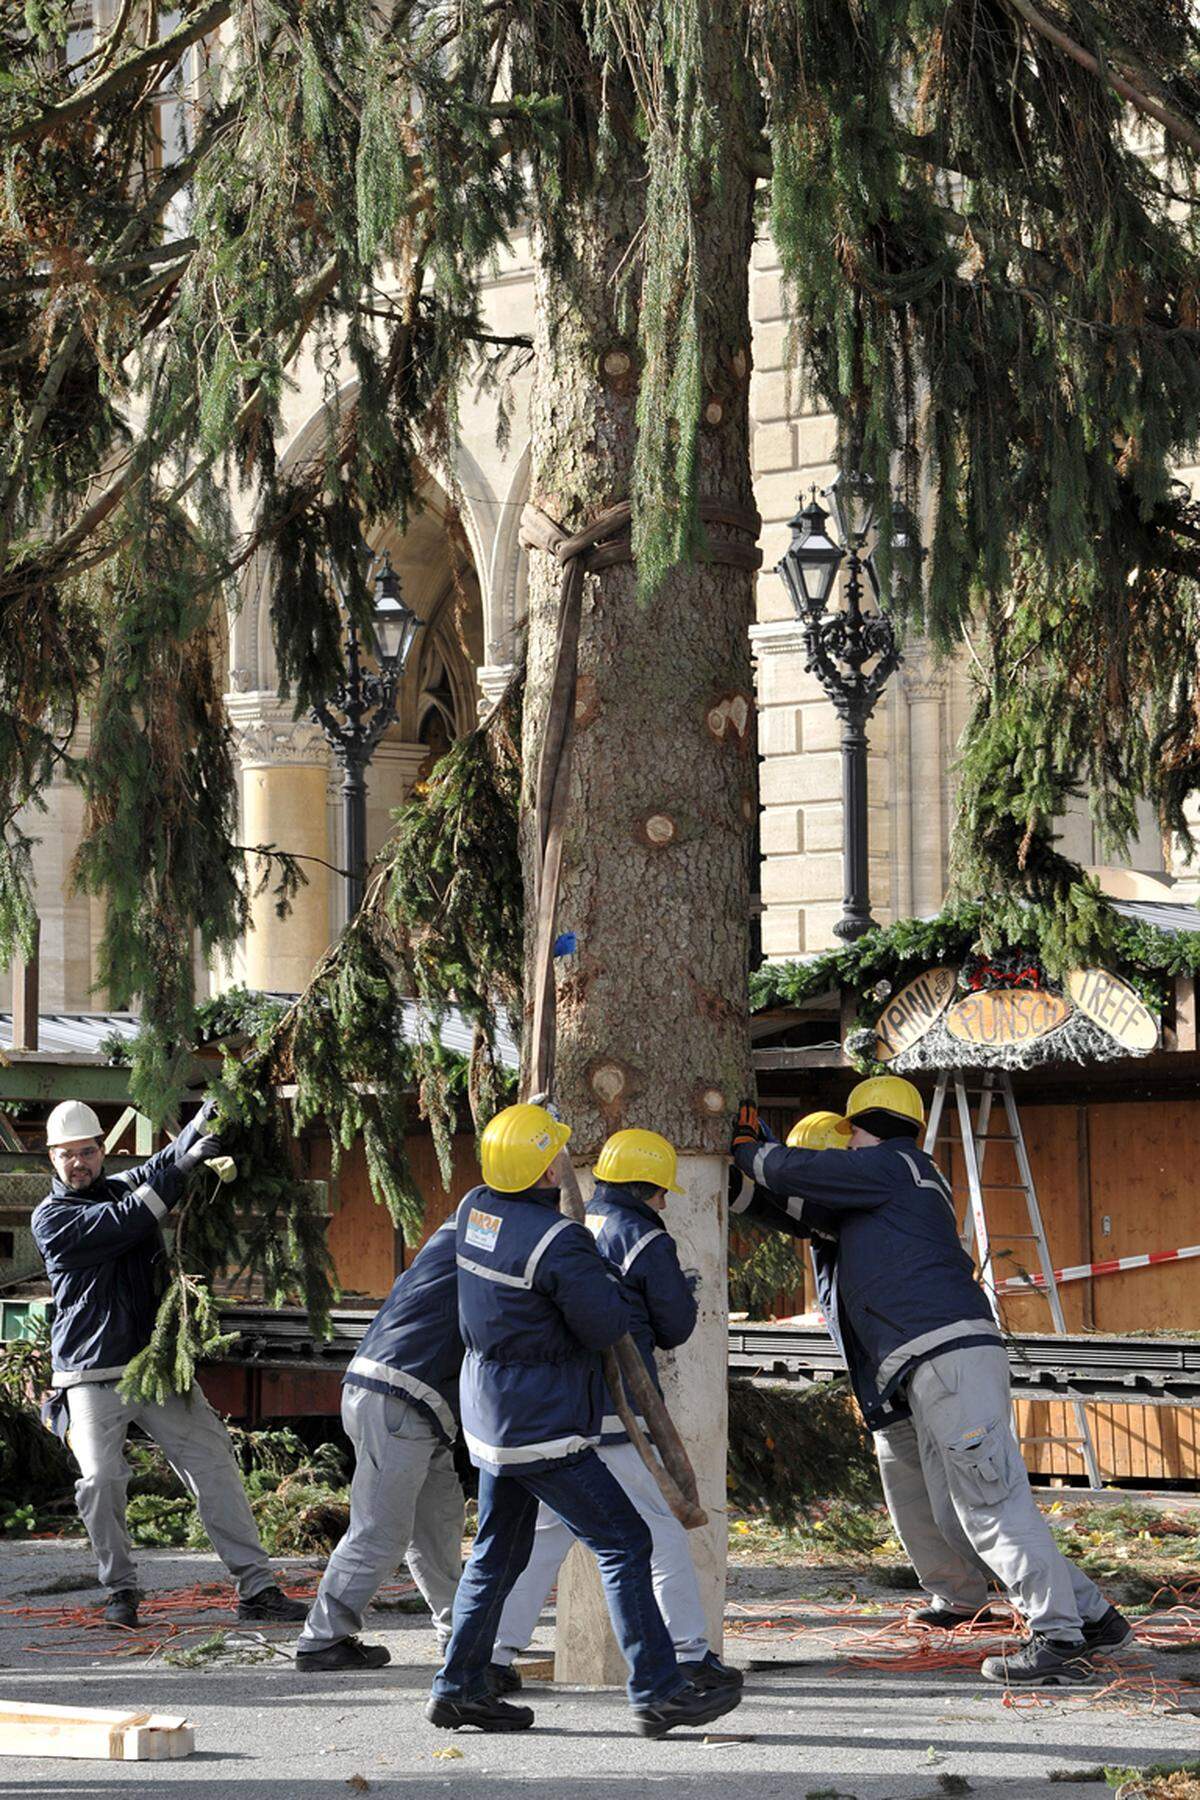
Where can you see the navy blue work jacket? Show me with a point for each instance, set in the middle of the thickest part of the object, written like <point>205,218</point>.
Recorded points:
<point>105,1257</point>
<point>413,1348</point>
<point>895,1284</point>
<point>641,1249</point>
<point>537,1303</point>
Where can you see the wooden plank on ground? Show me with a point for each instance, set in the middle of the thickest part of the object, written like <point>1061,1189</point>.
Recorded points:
<point>82,1732</point>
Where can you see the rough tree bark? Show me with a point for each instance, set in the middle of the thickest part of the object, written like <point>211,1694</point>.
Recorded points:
<point>651,1006</point>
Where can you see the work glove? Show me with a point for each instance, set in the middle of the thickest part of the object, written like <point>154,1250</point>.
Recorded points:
<point>747,1129</point>
<point>204,1147</point>
<point>198,1152</point>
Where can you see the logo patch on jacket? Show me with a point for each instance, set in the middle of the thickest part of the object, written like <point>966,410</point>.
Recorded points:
<point>482,1229</point>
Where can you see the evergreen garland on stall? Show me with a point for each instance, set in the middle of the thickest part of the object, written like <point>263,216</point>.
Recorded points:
<point>885,960</point>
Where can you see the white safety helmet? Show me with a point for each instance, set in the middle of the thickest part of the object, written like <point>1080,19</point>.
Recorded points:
<point>70,1122</point>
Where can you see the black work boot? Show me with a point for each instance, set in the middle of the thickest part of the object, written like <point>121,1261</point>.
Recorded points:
<point>346,1653</point>
<point>274,1607</point>
<point>502,1678</point>
<point>1042,1662</point>
<point>945,1617</point>
<point>691,1706</point>
<point>121,1607</point>
<point>488,1714</point>
<point>1111,1631</point>
<point>711,1673</point>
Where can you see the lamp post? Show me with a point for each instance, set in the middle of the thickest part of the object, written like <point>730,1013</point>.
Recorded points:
<point>363,705</point>
<point>851,652</point>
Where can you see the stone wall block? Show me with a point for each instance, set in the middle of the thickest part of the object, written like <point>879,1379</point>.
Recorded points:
<point>769,344</point>
<point>766,297</point>
<point>822,827</point>
<point>815,443</point>
<point>771,604</point>
<point>819,921</point>
<point>782,678</point>
<point>783,932</point>
<point>774,396</point>
<point>801,878</point>
<point>778,499</point>
<point>821,726</point>
<point>782,830</point>
<point>774,447</point>
<point>779,730</point>
<point>796,779</point>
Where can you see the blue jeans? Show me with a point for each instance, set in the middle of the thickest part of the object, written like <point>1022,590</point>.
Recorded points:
<point>597,1511</point>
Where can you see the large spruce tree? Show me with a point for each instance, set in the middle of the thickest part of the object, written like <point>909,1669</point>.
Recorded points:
<point>985,215</point>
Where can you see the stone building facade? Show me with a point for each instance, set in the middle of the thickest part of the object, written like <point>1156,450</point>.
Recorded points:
<point>462,569</point>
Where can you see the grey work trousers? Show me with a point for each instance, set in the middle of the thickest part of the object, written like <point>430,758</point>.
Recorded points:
<point>405,1502</point>
<point>962,1415</point>
<point>671,1568</point>
<point>946,1565</point>
<point>196,1444</point>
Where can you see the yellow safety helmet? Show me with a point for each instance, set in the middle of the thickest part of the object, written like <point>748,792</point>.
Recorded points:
<point>820,1131</point>
<point>889,1094</point>
<point>519,1145</point>
<point>639,1156</point>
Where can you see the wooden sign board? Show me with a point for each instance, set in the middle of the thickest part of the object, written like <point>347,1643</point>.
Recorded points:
<point>910,1013</point>
<point>1112,1005</point>
<point>1006,1016</point>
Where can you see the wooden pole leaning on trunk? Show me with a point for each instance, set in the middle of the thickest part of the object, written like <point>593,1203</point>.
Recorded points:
<point>602,545</point>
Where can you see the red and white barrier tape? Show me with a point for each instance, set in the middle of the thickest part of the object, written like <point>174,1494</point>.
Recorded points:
<point>1081,1271</point>
<point>1016,1284</point>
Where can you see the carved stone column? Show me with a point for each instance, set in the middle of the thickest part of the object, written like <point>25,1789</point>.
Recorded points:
<point>493,678</point>
<point>285,778</point>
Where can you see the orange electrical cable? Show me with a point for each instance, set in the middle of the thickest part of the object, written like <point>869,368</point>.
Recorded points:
<point>898,1645</point>
<point>166,1615</point>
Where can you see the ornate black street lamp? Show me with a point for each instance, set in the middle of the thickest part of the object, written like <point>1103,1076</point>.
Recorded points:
<point>362,706</point>
<point>852,653</point>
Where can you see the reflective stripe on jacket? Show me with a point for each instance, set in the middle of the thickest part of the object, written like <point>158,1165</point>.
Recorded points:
<point>412,1348</point>
<point>896,1285</point>
<point>537,1303</point>
<point>104,1254</point>
<point>641,1249</point>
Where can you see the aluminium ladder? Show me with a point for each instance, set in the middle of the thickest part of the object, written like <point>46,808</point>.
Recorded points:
<point>975,1136</point>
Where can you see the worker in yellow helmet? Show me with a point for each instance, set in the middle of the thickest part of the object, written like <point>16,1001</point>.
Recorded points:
<point>819,1131</point>
<point>635,1173</point>
<point>946,1566</point>
<point>537,1303</point>
<point>920,1340</point>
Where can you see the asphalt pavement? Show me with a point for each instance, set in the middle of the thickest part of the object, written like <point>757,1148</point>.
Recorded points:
<point>813,1721</point>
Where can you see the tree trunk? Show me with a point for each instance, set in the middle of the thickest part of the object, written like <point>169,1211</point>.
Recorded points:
<point>651,1005</point>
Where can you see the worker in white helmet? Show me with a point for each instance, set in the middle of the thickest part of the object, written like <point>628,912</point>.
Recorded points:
<point>100,1239</point>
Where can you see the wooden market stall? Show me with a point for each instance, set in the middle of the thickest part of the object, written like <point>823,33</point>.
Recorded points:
<point>1110,1112</point>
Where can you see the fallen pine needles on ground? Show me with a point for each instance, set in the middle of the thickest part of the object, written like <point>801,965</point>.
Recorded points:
<point>1160,1781</point>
